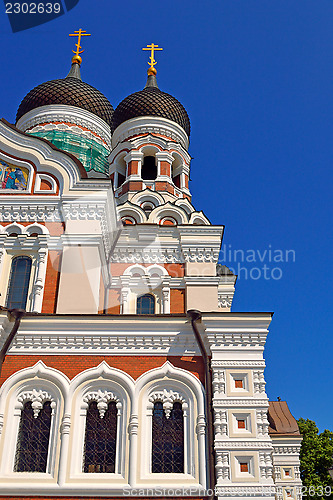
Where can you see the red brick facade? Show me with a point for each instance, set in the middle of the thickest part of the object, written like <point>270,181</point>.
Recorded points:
<point>72,365</point>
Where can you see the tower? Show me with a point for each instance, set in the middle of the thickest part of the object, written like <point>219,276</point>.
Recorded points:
<point>129,373</point>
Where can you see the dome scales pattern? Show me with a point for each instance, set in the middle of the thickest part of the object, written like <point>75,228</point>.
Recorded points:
<point>151,101</point>
<point>71,91</point>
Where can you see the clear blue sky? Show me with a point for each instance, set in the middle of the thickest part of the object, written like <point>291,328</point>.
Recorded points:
<point>256,78</point>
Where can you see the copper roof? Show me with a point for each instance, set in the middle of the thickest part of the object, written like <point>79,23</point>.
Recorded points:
<point>151,101</point>
<point>71,91</point>
<point>281,420</point>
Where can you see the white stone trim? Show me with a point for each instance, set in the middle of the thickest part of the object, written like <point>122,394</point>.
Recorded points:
<point>38,384</point>
<point>150,124</point>
<point>69,114</point>
<point>48,178</point>
<point>187,389</point>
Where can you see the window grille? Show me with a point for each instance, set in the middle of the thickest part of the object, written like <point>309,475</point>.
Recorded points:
<point>33,439</point>
<point>19,283</point>
<point>145,304</point>
<point>168,440</point>
<point>100,439</point>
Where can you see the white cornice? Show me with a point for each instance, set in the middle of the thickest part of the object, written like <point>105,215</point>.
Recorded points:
<point>66,114</point>
<point>168,244</point>
<point>150,124</point>
<point>123,334</point>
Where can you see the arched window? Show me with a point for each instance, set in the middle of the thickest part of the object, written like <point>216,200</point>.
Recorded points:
<point>145,304</point>
<point>19,283</point>
<point>33,439</point>
<point>149,169</point>
<point>168,440</point>
<point>100,439</point>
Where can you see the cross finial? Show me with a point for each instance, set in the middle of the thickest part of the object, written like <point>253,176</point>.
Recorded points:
<point>152,47</point>
<point>77,58</point>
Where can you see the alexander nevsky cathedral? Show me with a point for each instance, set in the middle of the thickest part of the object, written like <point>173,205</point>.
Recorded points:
<point>124,369</point>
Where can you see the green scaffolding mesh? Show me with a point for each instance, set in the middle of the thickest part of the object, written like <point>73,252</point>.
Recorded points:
<point>92,155</point>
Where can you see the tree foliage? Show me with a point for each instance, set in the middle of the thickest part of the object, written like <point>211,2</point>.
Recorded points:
<point>316,458</point>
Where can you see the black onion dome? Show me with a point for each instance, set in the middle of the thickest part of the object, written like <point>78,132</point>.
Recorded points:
<point>71,91</point>
<point>151,101</point>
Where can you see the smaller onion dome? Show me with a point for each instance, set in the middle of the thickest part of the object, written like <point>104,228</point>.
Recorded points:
<point>71,91</point>
<point>151,101</point>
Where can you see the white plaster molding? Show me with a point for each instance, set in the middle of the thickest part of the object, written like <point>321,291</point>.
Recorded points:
<point>266,465</point>
<point>48,178</point>
<point>40,371</point>
<point>128,209</point>
<point>262,423</point>
<point>39,282</point>
<point>151,125</point>
<point>36,384</point>
<point>168,210</point>
<point>255,339</point>
<point>69,114</point>
<point>246,401</point>
<point>259,381</point>
<point>102,398</point>
<point>164,156</point>
<point>286,450</point>
<point>137,142</point>
<point>144,344</point>
<point>247,491</point>
<point>133,155</point>
<point>37,399</point>
<point>216,363</point>
<point>147,195</point>
<point>222,466</point>
<point>103,370</point>
<point>220,423</point>
<point>225,299</point>
<point>168,398</point>
<point>218,382</point>
<point>240,444</point>
<point>184,387</point>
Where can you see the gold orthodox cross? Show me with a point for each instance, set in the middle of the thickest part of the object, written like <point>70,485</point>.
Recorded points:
<point>152,47</point>
<point>79,34</point>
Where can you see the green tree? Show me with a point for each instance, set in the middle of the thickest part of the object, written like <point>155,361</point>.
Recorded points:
<point>316,458</point>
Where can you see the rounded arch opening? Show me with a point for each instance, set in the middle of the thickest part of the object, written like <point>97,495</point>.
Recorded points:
<point>121,168</point>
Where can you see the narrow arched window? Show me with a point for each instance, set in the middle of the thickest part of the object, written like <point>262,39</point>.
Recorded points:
<point>145,304</point>
<point>33,439</point>
<point>18,286</point>
<point>100,439</point>
<point>149,169</point>
<point>168,440</point>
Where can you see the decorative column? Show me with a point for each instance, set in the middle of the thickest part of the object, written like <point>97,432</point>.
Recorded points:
<point>166,295</point>
<point>64,433</point>
<point>133,428</point>
<point>164,162</point>
<point>134,163</point>
<point>124,295</point>
<point>201,433</point>
<point>38,287</point>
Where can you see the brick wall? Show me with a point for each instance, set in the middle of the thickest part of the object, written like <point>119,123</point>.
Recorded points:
<point>71,365</point>
<point>52,282</point>
<point>177,300</point>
